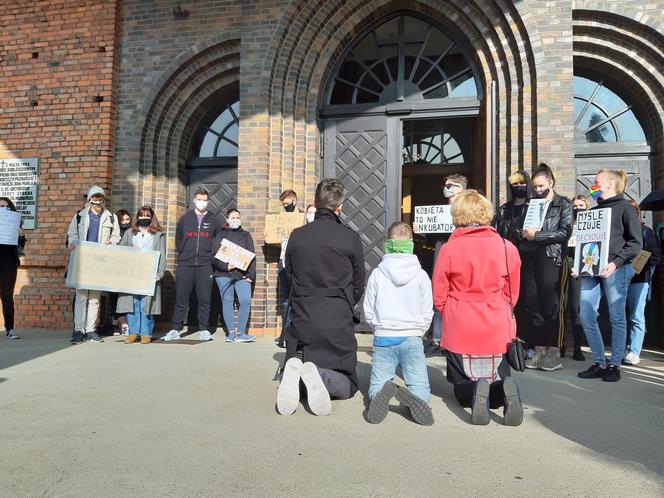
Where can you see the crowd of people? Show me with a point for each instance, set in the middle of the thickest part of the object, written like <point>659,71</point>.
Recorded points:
<point>493,279</point>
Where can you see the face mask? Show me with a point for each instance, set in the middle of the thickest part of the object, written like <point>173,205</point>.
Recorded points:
<point>577,211</point>
<point>97,203</point>
<point>450,190</point>
<point>519,191</point>
<point>310,217</point>
<point>234,223</point>
<point>542,194</point>
<point>595,191</point>
<point>144,222</point>
<point>399,246</point>
<point>5,207</point>
<point>290,207</point>
<point>124,226</point>
<point>201,205</point>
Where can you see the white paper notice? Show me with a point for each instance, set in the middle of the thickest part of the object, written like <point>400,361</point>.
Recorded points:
<point>536,213</point>
<point>433,219</point>
<point>10,221</point>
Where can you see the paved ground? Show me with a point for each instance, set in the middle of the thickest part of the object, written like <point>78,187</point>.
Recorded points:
<point>198,419</point>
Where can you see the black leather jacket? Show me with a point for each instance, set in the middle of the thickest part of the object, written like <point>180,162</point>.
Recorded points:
<point>509,221</point>
<point>556,230</point>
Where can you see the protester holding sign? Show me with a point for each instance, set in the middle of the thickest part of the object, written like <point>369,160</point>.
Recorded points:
<point>544,273</point>
<point>146,234</point>
<point>625,242</point>
<point>9,263</point>
<point>233,281</point>
<point>640,291</point>
<point>124,220</point>
<point>98,225</point>
<point>195,240</point>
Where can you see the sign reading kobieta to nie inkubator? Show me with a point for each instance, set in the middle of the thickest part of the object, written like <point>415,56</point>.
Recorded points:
<point>433,219</point>
<point>591,253</point>
<point>19,181</point>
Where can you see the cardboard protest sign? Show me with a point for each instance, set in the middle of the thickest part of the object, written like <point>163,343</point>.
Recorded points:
<point>639,262</point>
<point>591,253</point>
<point>433,219</point>
<point>235,255</point>
<point>278,227</point>
<point>10,221</point>
<point>112,268</point>
<point>536,213</point>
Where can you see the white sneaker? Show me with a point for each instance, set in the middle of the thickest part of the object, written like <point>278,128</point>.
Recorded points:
<point>317,395</point>
<point>288,393</point>
<point>173,335</point>
<point>12,334</point>
<point>205,335</point>
<point>632,359</point>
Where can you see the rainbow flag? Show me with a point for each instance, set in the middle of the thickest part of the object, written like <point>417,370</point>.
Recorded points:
<point>595,191</point>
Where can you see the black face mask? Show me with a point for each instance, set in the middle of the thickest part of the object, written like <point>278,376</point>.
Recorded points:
<point>577,211</point>
<point>290,207</point>
<point>124,226</point>
<point>519,191</point>
<point>542,194</point>
<point>143,222</point>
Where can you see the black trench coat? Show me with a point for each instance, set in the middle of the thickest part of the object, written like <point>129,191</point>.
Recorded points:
<point>325,263</point>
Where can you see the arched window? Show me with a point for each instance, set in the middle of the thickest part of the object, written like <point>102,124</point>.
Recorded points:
<point>220,139</point>
<point>602,116</point>
<point>403,59</point>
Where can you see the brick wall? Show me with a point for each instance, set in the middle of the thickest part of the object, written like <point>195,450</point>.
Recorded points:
<point>59,55</point>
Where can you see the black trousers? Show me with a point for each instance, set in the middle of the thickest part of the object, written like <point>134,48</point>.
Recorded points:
<point>7,285</point>
<point>541,296</point>
<point>187,279</point>
<point>464,387</point>
<point>572,310</point>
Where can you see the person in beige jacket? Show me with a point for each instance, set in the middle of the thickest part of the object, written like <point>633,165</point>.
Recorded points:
<point>92,224</point>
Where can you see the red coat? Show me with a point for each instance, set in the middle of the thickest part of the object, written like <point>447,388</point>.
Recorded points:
<point>471,292</point>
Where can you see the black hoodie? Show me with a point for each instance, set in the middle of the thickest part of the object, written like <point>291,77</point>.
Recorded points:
<point>243,239</point>
<point>626,239</point>
<point>194,243</point>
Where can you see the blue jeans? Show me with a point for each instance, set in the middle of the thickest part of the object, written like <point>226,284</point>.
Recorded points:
<point>139,322</point>
<point>636,308</point>
<point>615,289</point>
<point>410,356</point>
<point>228,288</point>
<point>437,327</point>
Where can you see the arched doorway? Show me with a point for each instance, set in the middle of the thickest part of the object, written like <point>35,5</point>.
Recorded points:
<point>401,112</point>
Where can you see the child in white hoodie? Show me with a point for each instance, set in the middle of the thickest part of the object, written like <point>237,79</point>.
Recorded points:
<point>398,306</point>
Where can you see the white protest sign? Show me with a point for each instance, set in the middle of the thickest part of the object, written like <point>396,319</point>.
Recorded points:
<point>19,180</point>
<point>10,221</point>
<point>433,219</point>
<point>572,240</point>
<point>235,255</point>
<point>591,253</point>
<point>536,213</point>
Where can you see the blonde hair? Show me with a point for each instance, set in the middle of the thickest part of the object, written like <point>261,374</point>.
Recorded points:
<point>618,176</point>
<point>518,177</point>
<point>399,231</point>
<point>471,208</point>
<point>582,198</point>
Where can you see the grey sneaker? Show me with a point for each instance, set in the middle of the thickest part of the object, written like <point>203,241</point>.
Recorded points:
<point>11,334</point>
<point>93,337</point>
<point>532,358</point>
<point>205,335</point>
<point>549,362</point>
<point>173,335</point>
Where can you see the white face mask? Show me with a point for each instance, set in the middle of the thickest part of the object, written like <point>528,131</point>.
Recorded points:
<point>234,223</point>
<point>448,192</point>
<point>9,209</point>
<point>201,205</point>
<point>310,217</point>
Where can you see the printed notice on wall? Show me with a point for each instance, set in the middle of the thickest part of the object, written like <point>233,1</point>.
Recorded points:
<point>591,253</point>
<point>19,180</point>
<point>433,219</point>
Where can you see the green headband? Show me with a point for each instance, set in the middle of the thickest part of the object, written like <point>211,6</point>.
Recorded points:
<point>399,246</point>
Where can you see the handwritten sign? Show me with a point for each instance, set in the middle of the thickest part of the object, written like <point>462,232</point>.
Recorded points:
<point>639,262</point>
<point>19,180</point>
<point>433,219</point>
<point>235,255</point>
<point>591,253</point>
<point>10,221</point>
<point>112,269</point>
<point>278,227</point>
<point>536,213</point>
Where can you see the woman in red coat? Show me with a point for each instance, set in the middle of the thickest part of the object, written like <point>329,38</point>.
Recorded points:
<point>471,290</point>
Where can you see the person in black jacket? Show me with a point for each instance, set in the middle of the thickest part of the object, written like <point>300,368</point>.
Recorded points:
<point>9,263</point>
<point>625,242</point>
<point>195,238</point>
<point>232,281</point>
<point>640,291</point>
<point>325,263</point>
<point>544,273</point>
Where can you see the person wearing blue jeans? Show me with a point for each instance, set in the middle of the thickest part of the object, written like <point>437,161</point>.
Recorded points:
<point>139,322</point>
<point>625,242</point>
<point>408,354</point>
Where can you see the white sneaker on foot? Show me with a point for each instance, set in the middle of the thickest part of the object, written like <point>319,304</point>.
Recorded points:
<point>205,335</point>
<point>11,333</point>
<point>317,395</point>
<point>173,335</point>
<point>632,359</point>
<point>288,393</point>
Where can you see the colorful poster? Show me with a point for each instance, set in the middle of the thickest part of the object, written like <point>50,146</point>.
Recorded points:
<point>433,219</point>
<point>536,213</point>
<point>591,254</point>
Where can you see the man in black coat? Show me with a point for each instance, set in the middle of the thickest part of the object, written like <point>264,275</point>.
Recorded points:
<point>325,264</point>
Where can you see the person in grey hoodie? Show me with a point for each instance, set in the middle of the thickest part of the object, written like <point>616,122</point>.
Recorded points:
<point>398,305</point>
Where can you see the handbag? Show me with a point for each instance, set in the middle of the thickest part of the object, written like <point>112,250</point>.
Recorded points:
<point>516,355</point>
